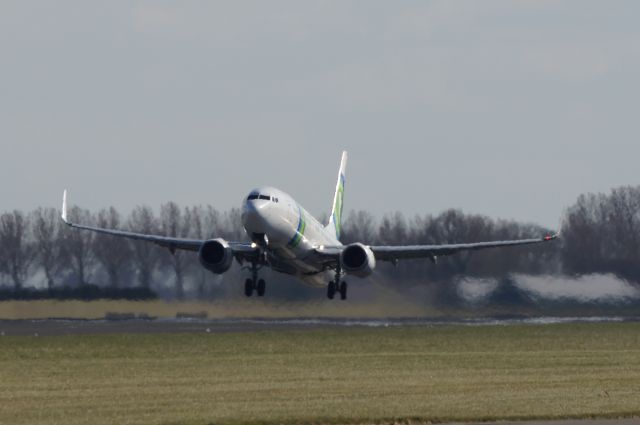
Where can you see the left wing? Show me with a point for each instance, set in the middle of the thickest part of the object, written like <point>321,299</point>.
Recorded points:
<point>240,249</point>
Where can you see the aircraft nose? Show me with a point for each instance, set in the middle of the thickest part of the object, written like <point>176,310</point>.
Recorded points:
<point>254,216</point>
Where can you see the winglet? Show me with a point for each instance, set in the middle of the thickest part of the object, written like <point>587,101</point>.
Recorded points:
<point>64,207</point>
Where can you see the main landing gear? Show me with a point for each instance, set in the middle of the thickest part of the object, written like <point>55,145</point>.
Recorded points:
<point>251,285</point>
<point>337,286</point>
<point>254,284</point>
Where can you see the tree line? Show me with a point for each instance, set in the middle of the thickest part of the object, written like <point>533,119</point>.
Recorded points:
<point>600,234</point>
<point>37,247</point>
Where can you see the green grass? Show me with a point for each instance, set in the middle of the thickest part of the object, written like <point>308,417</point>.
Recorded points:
<point>334,375</point>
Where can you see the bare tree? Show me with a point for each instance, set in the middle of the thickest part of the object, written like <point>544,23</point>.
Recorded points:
<point>231,225</point>
<point>50,255</point>
<point>175,223</point>
<point>203,225</point>
<point>449,227</point>
<point>211,226</point>
<point>601,234</point>
<point>145,255</point>
<point>393,230</point>
<point>624,210</point>
<point>17,252</point>
<point>360,226</point>
<point>112,252</point>
<point>78,245</point>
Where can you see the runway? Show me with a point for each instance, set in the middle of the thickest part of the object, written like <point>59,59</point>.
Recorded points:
<point>141,326</point>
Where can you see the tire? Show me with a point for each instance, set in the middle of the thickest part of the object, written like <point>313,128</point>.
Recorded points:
<point>331,290</point>
<point>262,286</point>
<point>343,290</point>
<point>248,287</point>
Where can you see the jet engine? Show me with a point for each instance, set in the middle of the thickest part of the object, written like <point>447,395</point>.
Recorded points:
<point>358,259</point>
<point>215,255</point>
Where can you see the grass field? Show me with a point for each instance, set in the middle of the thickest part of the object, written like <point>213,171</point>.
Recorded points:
<point>333,375</point>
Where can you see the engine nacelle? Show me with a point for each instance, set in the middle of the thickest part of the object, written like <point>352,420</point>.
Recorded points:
<point>358,259</point>
<point>215,255</point>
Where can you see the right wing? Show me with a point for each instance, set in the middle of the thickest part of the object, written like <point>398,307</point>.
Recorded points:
<point>394,253</point>
<point>330,255</point>
<point>243,250</point>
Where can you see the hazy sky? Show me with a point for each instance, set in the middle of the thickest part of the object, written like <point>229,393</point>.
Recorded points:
<point>506,108</point>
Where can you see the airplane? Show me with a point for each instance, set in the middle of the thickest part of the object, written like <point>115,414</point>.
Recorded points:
<point>289,240</point>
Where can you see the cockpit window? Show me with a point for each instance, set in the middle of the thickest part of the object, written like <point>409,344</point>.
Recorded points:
<point>253,196</point>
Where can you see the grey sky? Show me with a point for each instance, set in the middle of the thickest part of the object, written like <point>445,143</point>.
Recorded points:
<point>506,108</point>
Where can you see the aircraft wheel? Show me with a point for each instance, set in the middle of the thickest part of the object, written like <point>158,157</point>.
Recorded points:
<point>343,290</point>
<point>261,287</point>
<point>248,287</point>
<point>331,290</point>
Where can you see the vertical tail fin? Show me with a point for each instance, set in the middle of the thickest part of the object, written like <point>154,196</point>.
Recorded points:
<point>335,220</point>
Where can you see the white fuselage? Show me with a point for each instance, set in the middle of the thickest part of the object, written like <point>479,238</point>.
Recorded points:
<point>289,234</point>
